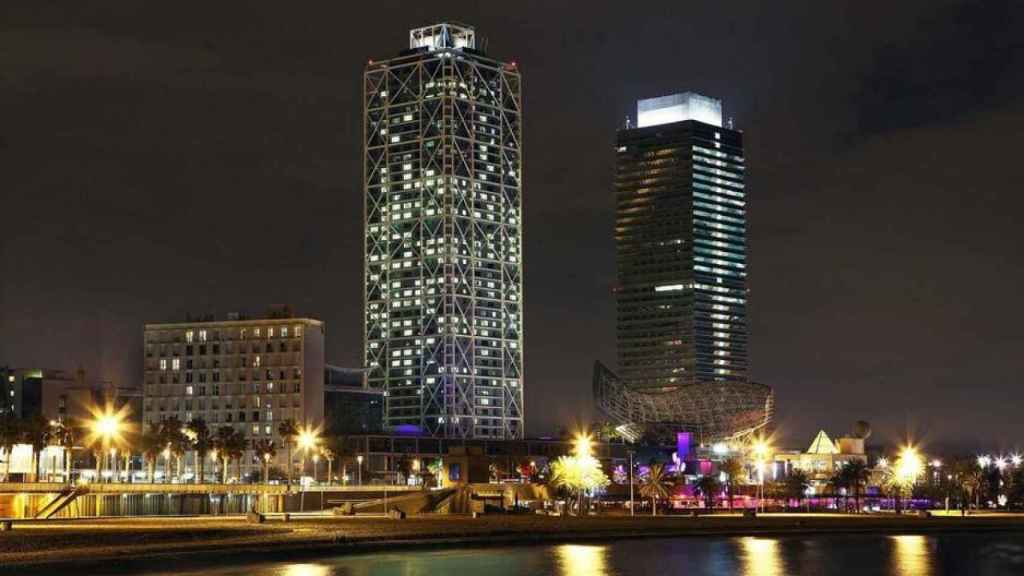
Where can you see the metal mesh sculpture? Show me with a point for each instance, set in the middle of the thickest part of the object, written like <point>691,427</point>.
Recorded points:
<point>718,411</point>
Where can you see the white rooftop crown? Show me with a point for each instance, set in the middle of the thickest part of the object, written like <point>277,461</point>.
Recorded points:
<point>678,107</point>
<point>443,35</point>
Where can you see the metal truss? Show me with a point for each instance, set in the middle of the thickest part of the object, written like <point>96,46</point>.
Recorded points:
<point>720,411</point>
<point>443,214</point>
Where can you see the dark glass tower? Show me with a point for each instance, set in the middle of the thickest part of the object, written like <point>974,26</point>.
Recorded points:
<point>680,237</point>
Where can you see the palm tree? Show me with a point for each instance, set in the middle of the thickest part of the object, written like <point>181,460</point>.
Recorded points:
<point>172,431</point>
<point>329,455</point>
<point>733,469</point>
<point>971,481</point>
<point>201,443</point>
<point>708,486</point>
<point>796,485</point>
<point>10,433</point>
<point>37,432</point>
<point>856,474</point>
<point>65,435</point>
<point>151,444</point>
<point>334,447</point>
<point>656,485</point>
<point>222,442</point>
<point>288,431</point>
<point>236,446</point>
<point>836,482</point>
<point>265,452</point>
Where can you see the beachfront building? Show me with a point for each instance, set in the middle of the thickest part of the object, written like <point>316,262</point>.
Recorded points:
<point>247,374</point>
<point>443,237</point>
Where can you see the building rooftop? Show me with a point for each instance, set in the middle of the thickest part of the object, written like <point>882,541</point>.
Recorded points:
<point>677,108</point>
<point>272,314</point>
<point>443,35</point>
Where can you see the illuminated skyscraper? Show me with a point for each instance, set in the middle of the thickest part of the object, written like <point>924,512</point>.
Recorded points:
<point>443,216</point>
<point>680,236</point>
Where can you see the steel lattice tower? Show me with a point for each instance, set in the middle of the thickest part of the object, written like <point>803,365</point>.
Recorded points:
<point>442,181</point>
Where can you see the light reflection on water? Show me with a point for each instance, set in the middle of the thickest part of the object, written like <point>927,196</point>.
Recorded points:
<point>839,555</point>
<point>305,570</point>
<point>911,556</point>
<point>761,557</point>
<point>582,560</point>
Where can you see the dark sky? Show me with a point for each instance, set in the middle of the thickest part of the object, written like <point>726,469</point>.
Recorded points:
<point>197,157</point>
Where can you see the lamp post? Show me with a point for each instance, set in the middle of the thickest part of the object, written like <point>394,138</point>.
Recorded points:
<point>167,463</point>
<point>762,450</point>
<point>359,461</point>
<point>213,458</point>
<point>105,434</point>
<point>907,468</point>
<point>308,439</point>
<point>631,511</point>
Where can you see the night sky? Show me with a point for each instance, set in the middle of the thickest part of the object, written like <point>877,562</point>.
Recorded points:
<point>203,158</point>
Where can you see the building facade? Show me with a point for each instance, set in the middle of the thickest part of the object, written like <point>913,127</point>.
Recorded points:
<point>350,405</point>
<point>680,237</point>
<point>443,237</point>
<point>247,374</point>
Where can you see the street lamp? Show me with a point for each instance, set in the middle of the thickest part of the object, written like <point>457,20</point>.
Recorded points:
<point>762,452</point>
<point>359,460</point>
<point>112,464</point>
<point>213,457</point>
<point>167,463</point>
<point>105,432</point>
<point>583,446</point>
<point>984,461</point>
<point>1015,460</point>
<point>908,468</point>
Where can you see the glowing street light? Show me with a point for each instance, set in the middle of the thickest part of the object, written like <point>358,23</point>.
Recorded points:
<point>105,431</point>
<point>308,439</point>
<point>583,446</point>
<point>909,465</point>
<point>1000,463</point>
<point>883,463</point>
<point>1015,460</point>
<point>907,469</point>
<point>984,461</point>
<point>762,452</point>
<point>359,459</point>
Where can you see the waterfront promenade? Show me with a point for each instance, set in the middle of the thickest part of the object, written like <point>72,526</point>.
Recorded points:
<point>141,543</point>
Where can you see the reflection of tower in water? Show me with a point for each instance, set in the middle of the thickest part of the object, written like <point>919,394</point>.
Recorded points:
<point>911,556</point>
<point>582,560</point>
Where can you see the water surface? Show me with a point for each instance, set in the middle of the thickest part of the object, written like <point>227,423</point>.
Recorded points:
<point>854,555</point>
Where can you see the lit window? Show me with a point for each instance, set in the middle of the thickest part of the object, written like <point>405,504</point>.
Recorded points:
<point>188,390</point>
<point>163,364</point>
<point>188,336</point>
<point>176,364</point>
<point>202,335</point>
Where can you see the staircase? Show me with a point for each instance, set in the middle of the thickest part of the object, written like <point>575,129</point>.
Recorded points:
<point>59,502</point>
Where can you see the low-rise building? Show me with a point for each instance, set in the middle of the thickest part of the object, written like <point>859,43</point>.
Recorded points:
<point>249,374</point>
<point>823,457</point>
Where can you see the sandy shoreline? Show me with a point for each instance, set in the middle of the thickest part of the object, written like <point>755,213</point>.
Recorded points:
<point>136,545</point>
